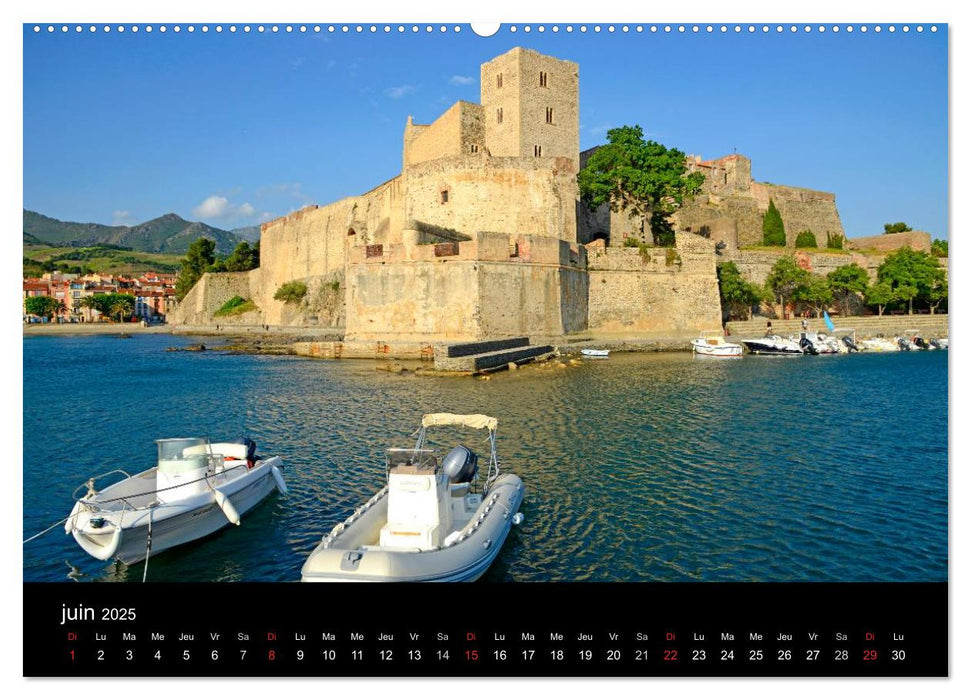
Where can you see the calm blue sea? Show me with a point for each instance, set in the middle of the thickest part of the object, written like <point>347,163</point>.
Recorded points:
<point>643,467</point>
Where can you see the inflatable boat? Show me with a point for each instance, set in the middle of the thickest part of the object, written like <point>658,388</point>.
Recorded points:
<point>196,488</point>
<point>430,522</point>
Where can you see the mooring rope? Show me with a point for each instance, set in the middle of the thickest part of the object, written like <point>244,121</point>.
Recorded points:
<point>148,544</point>
<point>43,532</point>
<point>125,498</point>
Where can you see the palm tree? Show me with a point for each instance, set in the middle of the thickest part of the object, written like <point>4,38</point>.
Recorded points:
<point>122,306</point>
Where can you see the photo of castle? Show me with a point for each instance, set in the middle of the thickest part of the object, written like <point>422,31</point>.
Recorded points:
<point>483,235</point>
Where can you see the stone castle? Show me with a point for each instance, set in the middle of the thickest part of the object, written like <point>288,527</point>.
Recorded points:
<point>483,236</point>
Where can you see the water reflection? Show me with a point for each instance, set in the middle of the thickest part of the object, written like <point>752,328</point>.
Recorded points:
<point>642,467</point>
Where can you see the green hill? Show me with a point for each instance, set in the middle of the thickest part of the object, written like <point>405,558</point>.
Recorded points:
<point>251,234</point>
<point>167,234</point>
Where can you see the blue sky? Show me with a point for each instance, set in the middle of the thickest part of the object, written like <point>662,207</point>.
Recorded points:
<point>232,129</point>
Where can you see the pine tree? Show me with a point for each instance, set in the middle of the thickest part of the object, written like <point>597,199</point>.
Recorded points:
<point>773,230</point>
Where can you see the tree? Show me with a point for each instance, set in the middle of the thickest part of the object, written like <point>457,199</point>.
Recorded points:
<point>879,295</point>
<point>785,278</point>
<point>939,248</point>
<point>198,258</point>
<point>937,293</point>
<point>738,296</point>
<point>834,240</point>
<point>93,302</point>
<point>912,274</point>
<point>243,258</point>
<point>806,239</point>
<point>773,230</point>
<point>899,227</point>
<point>814,293</point>
<point>121,305</point>
<point>47,307</point>
<point>848,282</point>
<point>109,305</point>
<point>642,177</point>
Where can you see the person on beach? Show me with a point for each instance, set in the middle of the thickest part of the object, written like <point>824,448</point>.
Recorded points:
<point>768,328</point>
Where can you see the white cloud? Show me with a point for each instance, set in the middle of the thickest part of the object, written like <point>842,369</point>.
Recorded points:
<point>461,80</point>
<point>213,207</point>
<point>295,63</point>
<point>266,216</point>
<point>121,217</point>
<point>219,208</point>
<point>398,92</point>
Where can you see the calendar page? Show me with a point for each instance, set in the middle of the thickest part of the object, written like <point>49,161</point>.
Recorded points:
<point>607,349</point>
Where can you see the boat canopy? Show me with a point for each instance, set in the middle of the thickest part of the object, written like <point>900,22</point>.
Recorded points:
<point>474,420</point>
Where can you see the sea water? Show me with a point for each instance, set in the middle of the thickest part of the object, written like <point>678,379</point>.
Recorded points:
<point>641,467</point>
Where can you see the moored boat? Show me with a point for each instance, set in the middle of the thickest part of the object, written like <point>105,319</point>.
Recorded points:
<point>430,522</point>
<point>773,345</point>
<point>713,344</point>
<point>593,352</point>
<point>879,345</point>
<point>196,488</point>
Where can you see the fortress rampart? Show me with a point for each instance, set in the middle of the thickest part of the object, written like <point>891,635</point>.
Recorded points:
<point>482,235</point>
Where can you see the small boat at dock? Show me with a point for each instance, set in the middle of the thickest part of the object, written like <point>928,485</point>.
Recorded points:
<point>196,488</point>
<point>773,345</point>
<point>430,522</point>
<point>713,344</point>
<point>592,352</point>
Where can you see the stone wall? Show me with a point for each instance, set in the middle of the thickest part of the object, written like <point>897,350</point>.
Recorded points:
<point>449,136</point>
<point>918,240</point>
<point>211,292</point>
<point>527,196</point>
<point>730,193</point>
<point>658,291</point>
<point>755,265</point>
<point>466,290</point>
<point>801,210</point>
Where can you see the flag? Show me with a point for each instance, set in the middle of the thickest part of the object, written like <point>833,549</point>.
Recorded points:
<point>829,322</point>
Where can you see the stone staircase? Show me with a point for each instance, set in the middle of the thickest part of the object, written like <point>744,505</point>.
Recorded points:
<point>928,326</point>
<point>487,355</point>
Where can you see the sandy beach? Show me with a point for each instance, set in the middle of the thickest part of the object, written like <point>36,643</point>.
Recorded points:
<point>91,329</point>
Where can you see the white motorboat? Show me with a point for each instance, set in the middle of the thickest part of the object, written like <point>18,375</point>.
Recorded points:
<point>430,522</point>
<point>818,343</point>
<point>591,352</point>
<point>880,345</point>
<point>906,343</point>
<point>196,488</point>
<point>940,343</point>
<point>713,344</point>
<point>773,345</point>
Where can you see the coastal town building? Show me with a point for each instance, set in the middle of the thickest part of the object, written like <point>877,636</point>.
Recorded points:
<point>154,294</point>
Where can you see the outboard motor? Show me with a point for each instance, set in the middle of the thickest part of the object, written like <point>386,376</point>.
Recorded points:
<point>920,342</point>
<point>460,465</point>
<point>848,342</point>
<point>807,346</point>
<point>250,450</point>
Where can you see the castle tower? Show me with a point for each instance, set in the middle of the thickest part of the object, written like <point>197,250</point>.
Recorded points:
<point>531,106</point>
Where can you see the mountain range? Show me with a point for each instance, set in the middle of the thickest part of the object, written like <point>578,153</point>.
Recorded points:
<point>169,233</point>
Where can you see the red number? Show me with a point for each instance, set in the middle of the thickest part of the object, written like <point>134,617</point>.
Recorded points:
<point>271,655</point>
<point>472,654</point>
<point>869,654</point>
<point>670,654</point>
